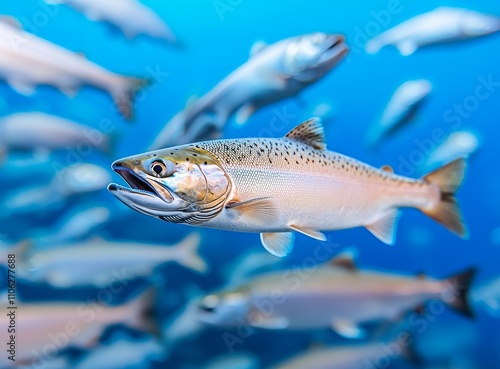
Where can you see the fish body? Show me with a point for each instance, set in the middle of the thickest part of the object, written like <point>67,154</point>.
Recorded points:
<point>70,181</point>
<point>99,262</point>
<point>38,131</point>
<point>401,109</point>
<point>130,16</point>
<point>39,324</point>
<point>27,61</point>
<point>122,353</point>
<point>77,226</point>
<point>277,186</point>
<point>348,357</point>
<point>444,24</point>
<point>272,73</point>
<point>336,295</point>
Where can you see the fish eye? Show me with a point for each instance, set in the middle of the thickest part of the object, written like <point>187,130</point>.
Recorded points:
<point>158,168</point>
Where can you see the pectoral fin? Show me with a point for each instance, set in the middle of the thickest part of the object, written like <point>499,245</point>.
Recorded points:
<point>278,243</point>
<point>385,227</point>
<point>309,232</point>
<point>407,47</point>
<point>258,211</point>
<point>257,47</point>
<point>23,88</point>
<point>244,113</point>
<point>347,329</point>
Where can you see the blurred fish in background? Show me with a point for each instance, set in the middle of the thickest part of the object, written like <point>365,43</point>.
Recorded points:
<point>444,24</point>
<point>89,283</point>
<point>401,109</point>
<point>28,61</point>
<point>130,16</point>
<point>273,72</point>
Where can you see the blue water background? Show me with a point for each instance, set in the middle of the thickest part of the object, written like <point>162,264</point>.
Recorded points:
<point>358,89</point>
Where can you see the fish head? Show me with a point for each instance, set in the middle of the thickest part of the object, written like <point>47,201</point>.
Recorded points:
<point>476,24</point>
<point>309,57</point>
<point>183,184</point>
<point>224,308</point>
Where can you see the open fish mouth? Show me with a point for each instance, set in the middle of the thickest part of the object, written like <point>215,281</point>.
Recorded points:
<point>138,185</point>
<point>336,49</point>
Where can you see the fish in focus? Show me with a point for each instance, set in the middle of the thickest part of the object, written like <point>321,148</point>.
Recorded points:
<point>40,323</point>
<point>99,262</point>
<point>279,186</point>
<point>401,109</point>
<point>27,61</point>
<point>459,144</point>
<point>441,25</point>
<point>38,132</point>
<point>336,295</point>
<point>273,72</point>
<point>130,16</point>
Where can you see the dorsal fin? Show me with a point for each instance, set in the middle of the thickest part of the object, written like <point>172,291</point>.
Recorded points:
<point>345,260</point>
<point>257,47</point>
<point>11,21</point>
<point>310,132</point>
<point>387,168</point>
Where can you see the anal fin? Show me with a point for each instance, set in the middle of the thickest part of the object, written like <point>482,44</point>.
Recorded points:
<point>244,113</point>
<point>278,243</point>
<point>385,227</point>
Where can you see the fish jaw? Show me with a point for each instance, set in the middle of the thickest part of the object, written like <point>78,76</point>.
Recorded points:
<point>191,188</point>
<point>307,60</point>
<point>143,195</point>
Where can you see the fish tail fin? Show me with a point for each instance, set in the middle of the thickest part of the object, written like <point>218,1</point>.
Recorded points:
<point>124,97</point>
<point>141,314</point>
<point>459,287</point>
<point>447,212</point>
<point>188,255</point>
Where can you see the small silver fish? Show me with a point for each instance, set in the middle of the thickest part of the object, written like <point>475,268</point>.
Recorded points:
<point>278,186</point>
<point>99,262</point>
<point>78,225</point>
<point>348,357</point>
<point>70,181</point>
<point>122,353</point>
<point>27,61</point>
<point>272,73</point>
<point>130,16</point>
<point>38,131</point>
<point>336,295</point>
<point>71,324</point>
<point>401,109</point>
<point>444,24</point>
